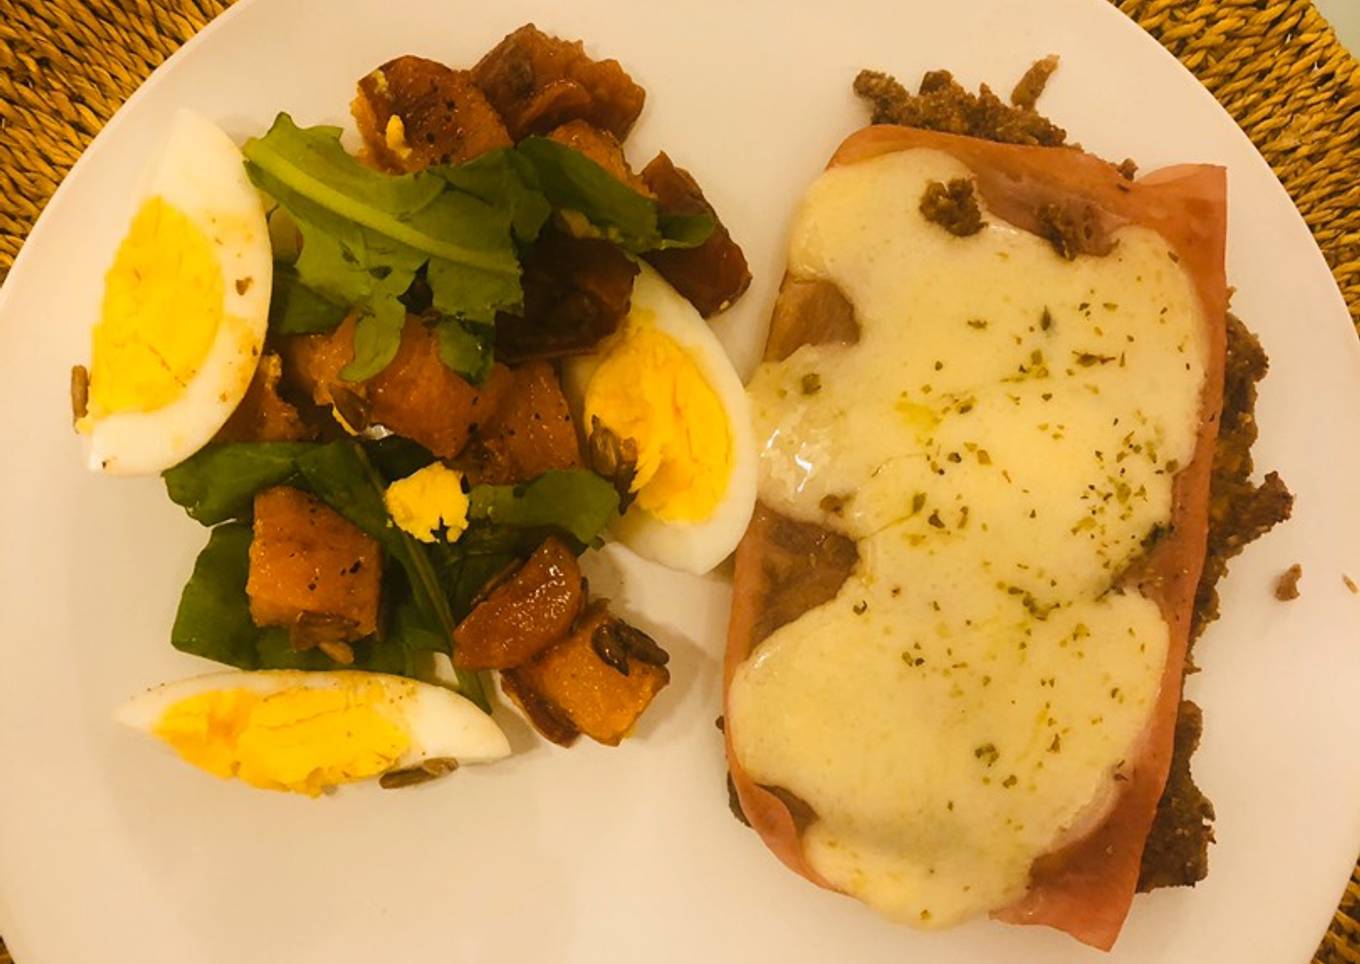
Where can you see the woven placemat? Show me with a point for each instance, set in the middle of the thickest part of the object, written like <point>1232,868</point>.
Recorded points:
<point>66,65</point>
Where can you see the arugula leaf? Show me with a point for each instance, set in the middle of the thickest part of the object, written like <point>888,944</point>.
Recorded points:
<point>295,309</point>
<point>218,482</point>
<point>504,179</point>
<point>574,184</point>
<point>366,234</point>
<point>467,348</point>
<point>574,500</point>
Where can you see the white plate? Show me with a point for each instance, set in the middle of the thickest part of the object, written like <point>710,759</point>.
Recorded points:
<point>112,850</point>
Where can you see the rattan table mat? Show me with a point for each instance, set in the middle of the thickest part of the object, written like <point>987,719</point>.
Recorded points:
<point>66,66</point>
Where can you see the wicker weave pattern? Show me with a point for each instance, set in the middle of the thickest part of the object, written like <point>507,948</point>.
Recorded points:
<point>66,65</point>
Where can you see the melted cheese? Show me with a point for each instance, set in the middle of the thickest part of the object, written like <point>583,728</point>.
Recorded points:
<point>1000,442</point>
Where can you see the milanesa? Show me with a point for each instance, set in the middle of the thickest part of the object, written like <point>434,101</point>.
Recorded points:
<point>984,508</point>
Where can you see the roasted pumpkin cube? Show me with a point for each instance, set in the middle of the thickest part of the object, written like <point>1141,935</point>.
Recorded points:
<point>306,560</point>
<point>523,615</point>
<point>596,678</point>
<point>312,363</point>
<point>548,718</point>
<point>602,148</point>
<point>421,398</point>
<point>530,433</point>
<point>537,82</point>
<point>711,276</point>
<point>416,396</point>
<point>576,292</point>
<point>414,112</point>
<point>263,415</point>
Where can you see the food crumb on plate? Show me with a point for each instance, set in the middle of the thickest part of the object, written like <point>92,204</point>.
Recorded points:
<point>1287,586</point>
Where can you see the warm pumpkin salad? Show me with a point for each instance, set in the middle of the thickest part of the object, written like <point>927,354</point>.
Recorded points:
<point>405,388</point>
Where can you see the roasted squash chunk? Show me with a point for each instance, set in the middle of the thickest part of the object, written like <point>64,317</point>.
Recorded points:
<point>602,148</point>
<point>414,112</point>
<point>711,276</point>
<point>307,561</point>
<point>523,615</point>
<point>416,396</point>
<point>601,678</point>
<point>421,398</point>
<point>537,82</point>
<point>530,433</point>
<point>263,415</point>
<point>312,363</point>
<point>576,291</point>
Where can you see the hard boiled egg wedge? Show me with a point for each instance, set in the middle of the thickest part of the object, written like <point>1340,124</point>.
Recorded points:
<point>307,731</point>
<point>664,381</point>
<point>185,306</point>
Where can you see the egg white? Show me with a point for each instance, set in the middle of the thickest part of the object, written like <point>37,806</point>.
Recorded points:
<point>695,547</point>
<point>200,172</point>
<point>440,722</point>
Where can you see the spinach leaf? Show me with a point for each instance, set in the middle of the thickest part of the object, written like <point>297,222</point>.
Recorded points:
<point>395,457</point>
<point>575,184</point>
<point>213,619</point>
<point>295,309</point>
<point>366,234</point>
<point>218,482</point>
<point>574,500</point>
<point>411,628</point>
<point>341,475</point>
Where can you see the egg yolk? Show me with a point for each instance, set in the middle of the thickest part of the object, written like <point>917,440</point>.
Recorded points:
<point>428,501</point>
<point>648,388</point>
<point>163,302</point>
<point>302,739</point>
<point>395,137</point>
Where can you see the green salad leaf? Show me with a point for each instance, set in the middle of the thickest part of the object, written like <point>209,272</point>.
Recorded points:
<point>429,590</point>
<point>295,309</point>
<point>213,620</point>
<point>395,457</point>
<point>577,186</point>
<point>684,230</point>
<point>341,475</point>
<point>218,482</point>
<point>576,501</point>
<point>504,179</point>
<point>466,347</point>
<point>366,234</point>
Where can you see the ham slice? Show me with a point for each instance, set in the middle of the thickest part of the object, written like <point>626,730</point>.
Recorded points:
<point>1086,887</point>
